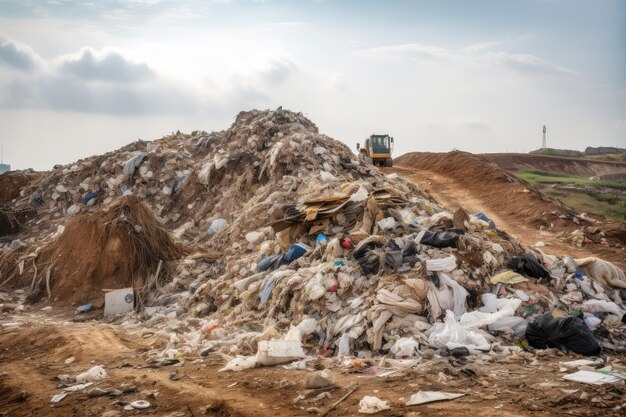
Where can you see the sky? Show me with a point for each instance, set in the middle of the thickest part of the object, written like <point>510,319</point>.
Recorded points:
<point>79,78</point>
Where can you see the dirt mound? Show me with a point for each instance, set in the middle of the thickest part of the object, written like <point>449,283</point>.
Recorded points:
<point>119,246</point>
<point>491,183</point>
<point>561,165</point>
<point>515,202</point>
<point>11,183</point>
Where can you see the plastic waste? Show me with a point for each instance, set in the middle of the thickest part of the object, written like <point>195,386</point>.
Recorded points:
<point>452,334</point>
<point>131,165</point>
<point>73,209</point>
<point>405,347</point>
<point>442,239</point>
<point>307,326</point>
<point>97,373</point>
<point>359,196</point>
<point>591,321</point>
<point>58,397</point>
<point>459,294</point>
<point>508,277</point>
<point>592,377</point>
<point>239,363</point>
<point>327,176</point>
<point>423,397</point>
<point>527,266</point>
<point>387,223</point>
<point>601,306</point>
<point>343,346</point>
<point>276,352</point>
<point>84,308</point>
<point>447,264</point>
<point>267,291</point>
<point>254,237</point>
<point>297,250</point>
<point>566,332</point>
<point>89,196</point>
<point>372,405</point>
<point>322,239</point>
<point>140,404</point>
<point>273,261</point>
<point>217,226</point>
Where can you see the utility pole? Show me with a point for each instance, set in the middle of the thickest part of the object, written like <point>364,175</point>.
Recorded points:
<point>543,143</point>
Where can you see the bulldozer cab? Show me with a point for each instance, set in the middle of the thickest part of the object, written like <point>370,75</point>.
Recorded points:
<point>380,144</point>
<point>377,150</point>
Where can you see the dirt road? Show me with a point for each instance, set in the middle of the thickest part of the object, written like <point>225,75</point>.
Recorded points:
<point>514,206</point>
<point>34,354</point>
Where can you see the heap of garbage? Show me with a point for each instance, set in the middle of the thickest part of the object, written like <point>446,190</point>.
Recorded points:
<point>270,243</point>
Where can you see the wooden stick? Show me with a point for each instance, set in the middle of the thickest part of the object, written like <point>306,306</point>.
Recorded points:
<point>332,407</point>
<point>32,284</point>
<point>156,274</point>
<point>48,284</point>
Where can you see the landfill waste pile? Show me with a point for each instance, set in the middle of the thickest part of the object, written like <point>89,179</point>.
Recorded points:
<point>270,243</point>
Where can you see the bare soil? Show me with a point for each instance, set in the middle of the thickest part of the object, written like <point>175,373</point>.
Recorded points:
<point>33,355</point>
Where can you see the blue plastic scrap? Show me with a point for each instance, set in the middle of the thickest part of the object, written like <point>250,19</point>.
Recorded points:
<point>322,239</point>
<point>297,250</point>
<point>482,216</point>
<point>269,261</point>
<point>90,196</point>
<point>267,291</point>
<point>84,308</point>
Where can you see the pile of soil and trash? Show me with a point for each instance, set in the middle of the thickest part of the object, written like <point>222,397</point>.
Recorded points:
<point>270,243</point>
<point>117,246</point>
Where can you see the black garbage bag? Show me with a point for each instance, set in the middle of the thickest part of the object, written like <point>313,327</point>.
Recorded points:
<point>442,239</point>
<point>529,267</point>
<point>371,262</point>
<point>566,332</point>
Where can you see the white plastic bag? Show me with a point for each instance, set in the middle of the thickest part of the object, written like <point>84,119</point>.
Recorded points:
<point>601,306</point>
<point>452,334</point>
<point>444,265</point>
<point>386,223</point>
<point>239,364</point>
<point>360,195</point>
<point>459,294</point>
<point>405,347</point>
<point>371,405</point>
<point>97,373</point>
<point>217,226</point>
<point>422,397</point>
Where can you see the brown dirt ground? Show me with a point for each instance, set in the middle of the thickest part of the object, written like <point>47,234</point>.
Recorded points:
<point>572,166</point>
<point>11,183</point>
<point>34,354</point>
<point>459,179</point>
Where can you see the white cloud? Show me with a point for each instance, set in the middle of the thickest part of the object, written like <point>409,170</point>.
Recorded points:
<point>112,66</point>
<point>18,56</point>
<point>278,70</point>
<point>480,47</point>
<point>416,52</point>
<point>409,51</point>
<point>528,64</point>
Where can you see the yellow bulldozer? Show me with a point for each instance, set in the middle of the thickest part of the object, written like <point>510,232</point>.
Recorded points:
<point>377,150</point>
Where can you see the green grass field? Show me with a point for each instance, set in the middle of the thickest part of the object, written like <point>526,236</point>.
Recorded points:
<point>608,205</point>
<point>567,153</point>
